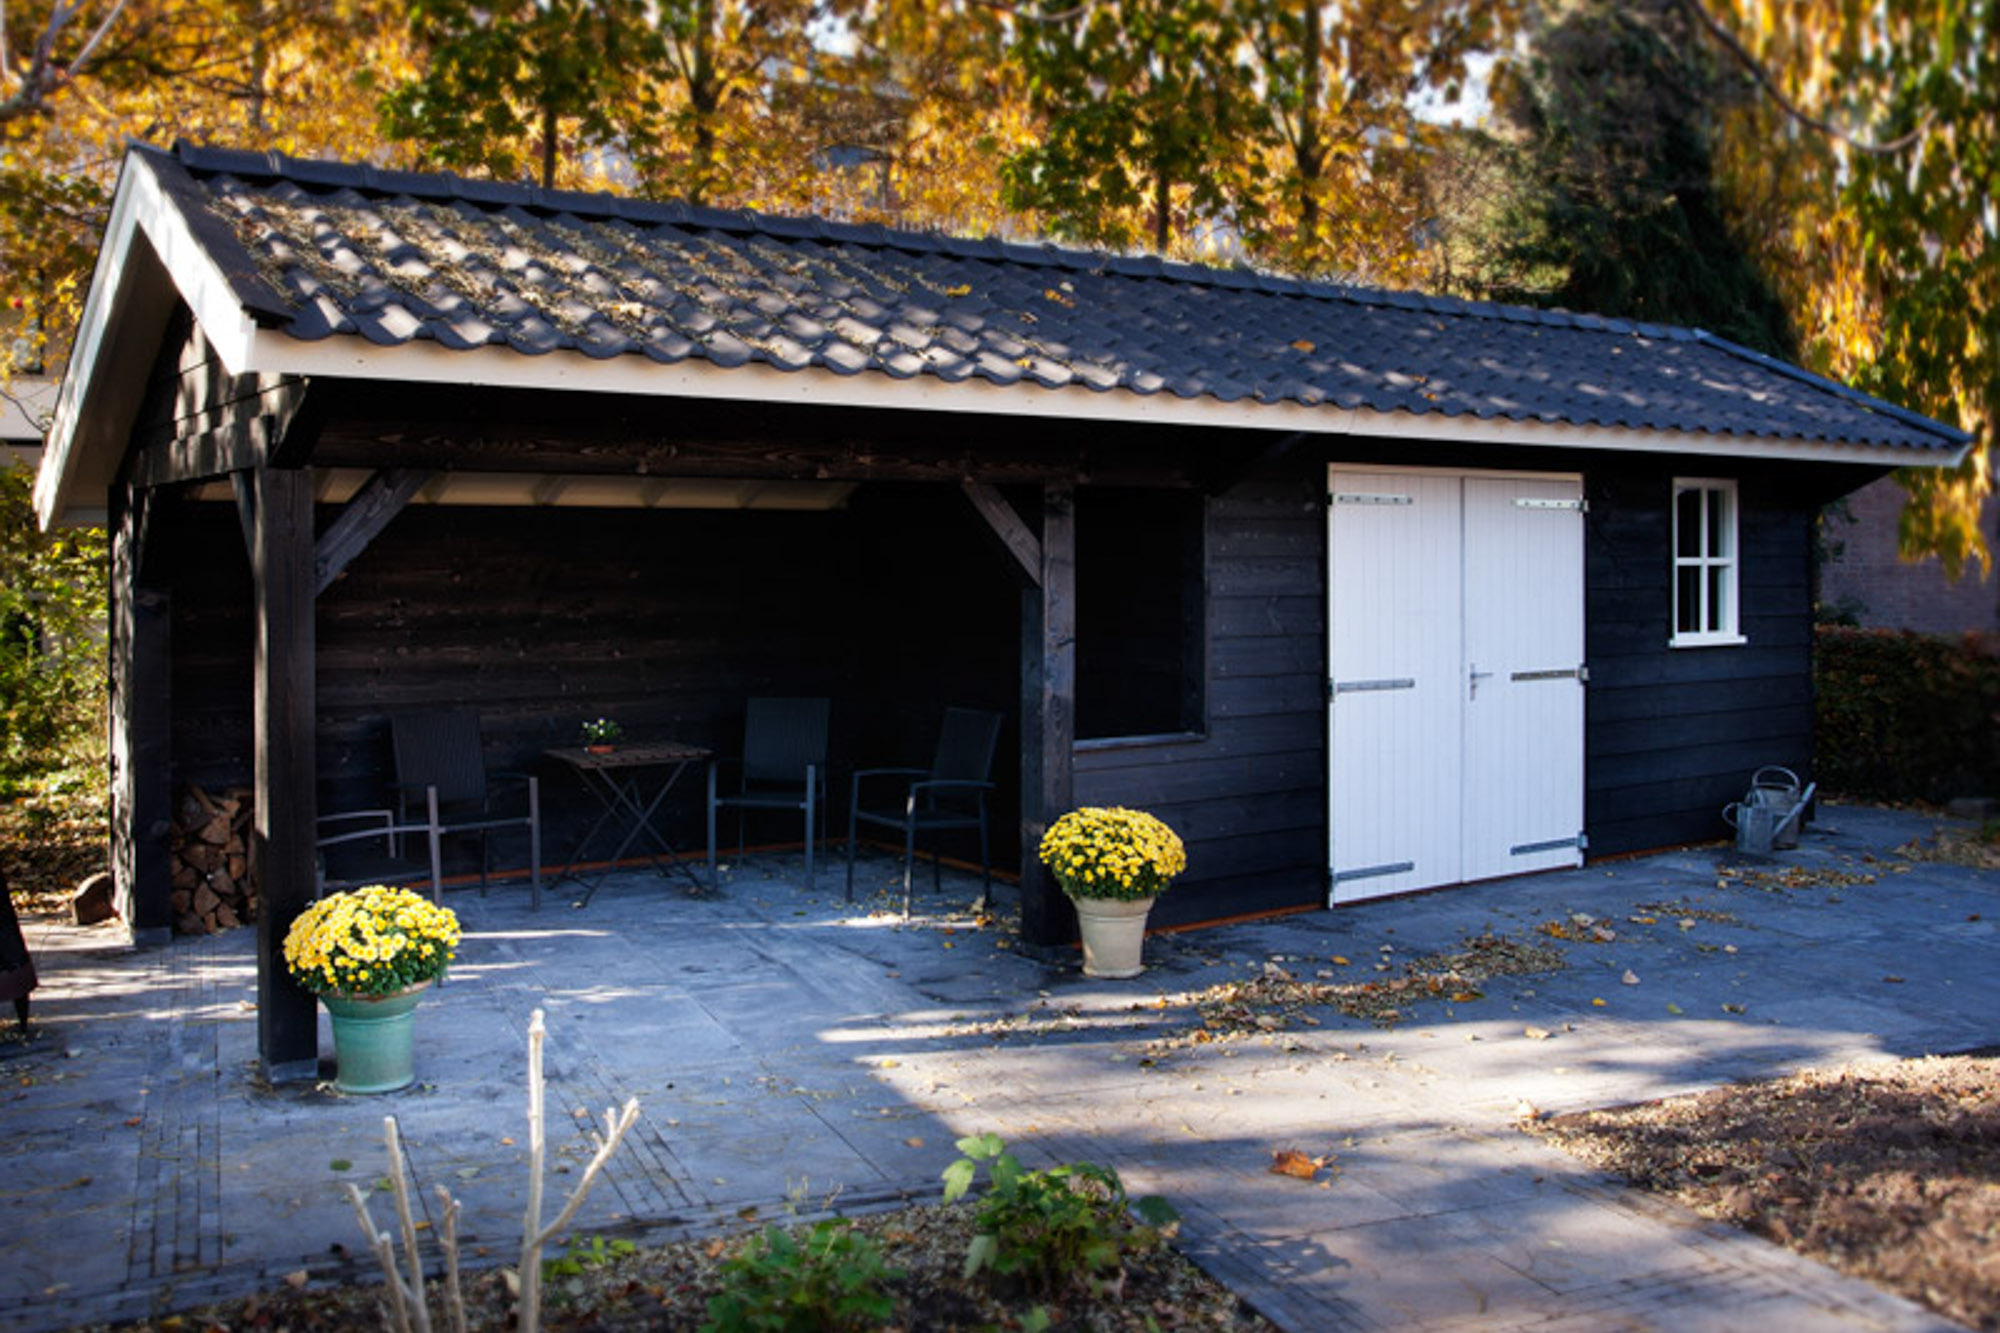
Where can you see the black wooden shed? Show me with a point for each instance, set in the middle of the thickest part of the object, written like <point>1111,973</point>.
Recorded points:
<point>1362,591</point>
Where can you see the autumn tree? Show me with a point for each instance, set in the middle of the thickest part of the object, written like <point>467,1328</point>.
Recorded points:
<point>1610,201</point>
<point>1874,131</point>
<point>1144,103</point>
<point>1346,189</point>
<point>503,81</point>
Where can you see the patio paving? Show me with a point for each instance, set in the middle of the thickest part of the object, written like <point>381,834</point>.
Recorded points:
<point>793,1053</point>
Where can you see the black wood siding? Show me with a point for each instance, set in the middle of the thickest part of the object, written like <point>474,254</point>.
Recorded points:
<point>1674,734</point>
<point>1249,796</point>
<point>664,620</point>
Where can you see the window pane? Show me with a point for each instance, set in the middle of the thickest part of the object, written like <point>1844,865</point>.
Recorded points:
<point>1687,523</point>
<point>1721,615</point>
<point>1718,522</point>
<point>1139,626</point>
<point>1687,600</point>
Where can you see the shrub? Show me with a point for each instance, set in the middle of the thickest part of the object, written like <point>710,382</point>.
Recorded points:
<point>1051,1228</point>
<point>832,1278</point>
<point>1906,716</point>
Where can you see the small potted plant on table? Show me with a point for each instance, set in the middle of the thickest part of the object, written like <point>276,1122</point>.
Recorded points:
<point>1112,863</point>
<point>370,954</point>
<point>601,736</point>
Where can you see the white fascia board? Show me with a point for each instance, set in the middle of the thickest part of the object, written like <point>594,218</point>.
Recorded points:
<point>145,236</point>
<point>349,357</point>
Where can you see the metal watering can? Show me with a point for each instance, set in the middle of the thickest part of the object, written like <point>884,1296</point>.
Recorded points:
<point>1768,818</point>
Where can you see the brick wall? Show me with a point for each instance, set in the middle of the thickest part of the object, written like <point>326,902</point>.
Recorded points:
<point>1886,592</point>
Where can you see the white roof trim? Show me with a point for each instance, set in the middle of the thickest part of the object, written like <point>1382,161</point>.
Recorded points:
<point>353,357</point>
<point>139,209</point>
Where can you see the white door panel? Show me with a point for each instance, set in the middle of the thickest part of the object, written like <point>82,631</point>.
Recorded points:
<point>1394,648</point>
<point>1523,712</point>
<point>1455,628</point>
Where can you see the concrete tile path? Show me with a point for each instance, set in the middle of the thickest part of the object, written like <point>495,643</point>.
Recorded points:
<point>791,1052</point>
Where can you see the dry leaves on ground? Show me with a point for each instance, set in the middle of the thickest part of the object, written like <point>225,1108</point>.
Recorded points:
<point>1890,1172</point>
<point>668,1287</point>
<point>1979,848</point>
<point>1278,1000</point>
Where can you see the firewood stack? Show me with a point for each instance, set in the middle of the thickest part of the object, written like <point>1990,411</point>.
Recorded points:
<point>210,840</point>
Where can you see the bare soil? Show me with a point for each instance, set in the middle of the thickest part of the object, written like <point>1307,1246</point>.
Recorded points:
<point>1890,1172</point>
<point>668,1288</point>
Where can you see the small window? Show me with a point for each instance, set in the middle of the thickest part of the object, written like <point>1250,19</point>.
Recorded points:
<point>1139,615</point>
<point>1704,563</point>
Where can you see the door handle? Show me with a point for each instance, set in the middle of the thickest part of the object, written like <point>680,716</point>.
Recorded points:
<point>1475,676</point>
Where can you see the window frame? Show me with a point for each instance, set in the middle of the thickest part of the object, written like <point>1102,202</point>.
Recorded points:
<point>1726,629</point>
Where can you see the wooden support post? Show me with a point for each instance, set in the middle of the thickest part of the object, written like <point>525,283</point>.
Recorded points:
<point>281,564</point>
<point>1048,717</point>
<point>141,724</point>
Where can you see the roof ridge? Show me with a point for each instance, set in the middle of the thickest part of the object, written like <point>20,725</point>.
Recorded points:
<point>325,173</point>
<point>1942,429</point>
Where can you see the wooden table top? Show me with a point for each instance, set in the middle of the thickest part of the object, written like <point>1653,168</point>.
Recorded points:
<point>635,755</point>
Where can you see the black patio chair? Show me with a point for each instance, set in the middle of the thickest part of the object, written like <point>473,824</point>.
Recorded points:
<point>438,757</point>
<point>344,860</point>
<point>782,767</point>
<point>950,794</point>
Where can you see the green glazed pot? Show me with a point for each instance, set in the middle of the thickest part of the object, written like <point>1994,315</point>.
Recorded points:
<point>373,1039</point>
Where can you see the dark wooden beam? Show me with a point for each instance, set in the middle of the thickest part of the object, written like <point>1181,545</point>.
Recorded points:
<point>220,438</point>
<point>281,563</point>
<point>244,486</point>
<point>373,506</point>
<point>1048,717</point>
<point>141,727</point>
<point>1025,547</point>
<point>1232,472</point>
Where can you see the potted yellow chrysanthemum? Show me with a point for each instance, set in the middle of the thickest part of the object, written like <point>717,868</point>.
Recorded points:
<point>369,954</point>
<point>1112,863</point>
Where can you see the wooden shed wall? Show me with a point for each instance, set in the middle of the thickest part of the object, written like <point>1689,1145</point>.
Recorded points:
<point>1674,734</point>
<point>665,620</point>
<point>1249,796</point>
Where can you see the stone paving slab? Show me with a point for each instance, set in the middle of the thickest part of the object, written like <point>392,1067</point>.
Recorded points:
<point>789,1050</point>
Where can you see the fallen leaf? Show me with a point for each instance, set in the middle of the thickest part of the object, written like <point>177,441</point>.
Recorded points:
<point>1527,1110</point>
<point>296,1279</point>
<point>1302,345</point>
<point>1338,961</point>
<point>913,1143</point>
<point>1673,1008</point>
<point>1598,1003</point>
<point>1292,1162</point>
<point>1893,980</point>
<point>963,289</point>
<point>1630,978</point>
<point>1535,1034</point>
<point>1732,1008</point>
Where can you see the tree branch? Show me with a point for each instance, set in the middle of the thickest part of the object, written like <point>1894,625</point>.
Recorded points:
<point>1769,84</point>
<point>44,75</point>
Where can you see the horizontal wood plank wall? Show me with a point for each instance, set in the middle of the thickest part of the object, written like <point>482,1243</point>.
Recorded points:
<point>1249,796</point>
<point>664,620</point>
<point>1674,734</point>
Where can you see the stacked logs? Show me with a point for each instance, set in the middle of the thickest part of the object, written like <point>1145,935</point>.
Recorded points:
<point>210,841</point>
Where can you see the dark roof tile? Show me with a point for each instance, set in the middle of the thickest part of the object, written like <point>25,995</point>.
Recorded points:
<point>321,249</point>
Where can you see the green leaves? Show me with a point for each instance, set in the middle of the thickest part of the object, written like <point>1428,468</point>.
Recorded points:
<point>1051,1228</point>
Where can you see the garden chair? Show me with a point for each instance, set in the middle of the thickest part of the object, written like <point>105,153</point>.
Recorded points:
<point>342,835</point>
<point>950,794</point>
<point>438,757</point>
<point>782,767</point>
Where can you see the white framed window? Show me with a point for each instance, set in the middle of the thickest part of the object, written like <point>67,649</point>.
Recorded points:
<point>1705,563</point>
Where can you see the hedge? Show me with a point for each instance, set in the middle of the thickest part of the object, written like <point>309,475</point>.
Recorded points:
<point>1906,716</point>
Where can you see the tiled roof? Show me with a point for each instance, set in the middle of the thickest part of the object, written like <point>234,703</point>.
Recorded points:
<point>326,250</point>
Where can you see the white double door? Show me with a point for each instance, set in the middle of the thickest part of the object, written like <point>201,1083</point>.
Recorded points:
<point>1455,703</point>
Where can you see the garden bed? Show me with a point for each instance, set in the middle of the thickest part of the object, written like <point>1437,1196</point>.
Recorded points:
<point>1890,1172</point>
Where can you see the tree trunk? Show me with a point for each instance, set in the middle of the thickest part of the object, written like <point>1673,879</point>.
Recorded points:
<point>1311,151</point>
<point>548,145</point>
<point>1163,194</point>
